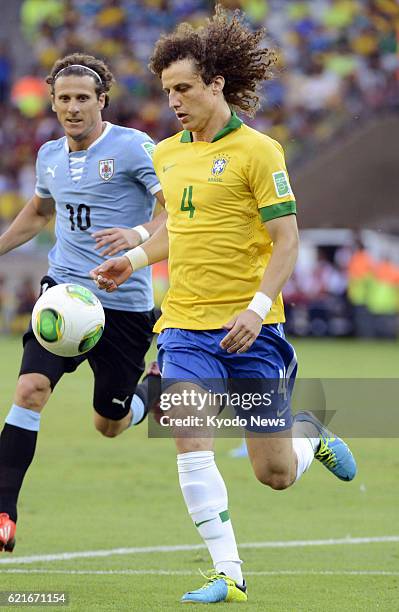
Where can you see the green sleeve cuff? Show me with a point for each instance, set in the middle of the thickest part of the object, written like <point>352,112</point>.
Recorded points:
<point>267,213</point>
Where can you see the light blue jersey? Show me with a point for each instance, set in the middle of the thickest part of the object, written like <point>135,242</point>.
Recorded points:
<point>116,188</point>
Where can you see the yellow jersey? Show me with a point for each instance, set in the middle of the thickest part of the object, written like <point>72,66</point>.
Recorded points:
<point>218,195</point>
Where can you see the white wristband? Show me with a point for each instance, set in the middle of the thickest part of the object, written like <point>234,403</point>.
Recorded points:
<point>137,257</point>
<point>261,304</point>
<point>143,233</point>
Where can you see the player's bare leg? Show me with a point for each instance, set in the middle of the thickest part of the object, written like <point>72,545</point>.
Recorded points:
<point>279,460</point>
<point>110,428</point>
<point>32,391</point>
<point>273,459</point>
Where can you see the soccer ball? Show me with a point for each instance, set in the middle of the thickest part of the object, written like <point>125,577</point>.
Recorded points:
<point>68,320</point>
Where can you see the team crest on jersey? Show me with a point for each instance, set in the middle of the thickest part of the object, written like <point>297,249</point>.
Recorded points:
<point>219,165</point>
<point>106,169</point>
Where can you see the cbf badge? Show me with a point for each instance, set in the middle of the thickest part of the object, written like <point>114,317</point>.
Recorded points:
<point>106,169</point>
<point>219,165</point>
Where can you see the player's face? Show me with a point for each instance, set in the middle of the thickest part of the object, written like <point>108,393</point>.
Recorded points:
<point>78,108</point>
<point>193,102</point>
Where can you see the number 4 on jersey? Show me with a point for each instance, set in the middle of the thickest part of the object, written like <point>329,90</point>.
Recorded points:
<point>188,195</point>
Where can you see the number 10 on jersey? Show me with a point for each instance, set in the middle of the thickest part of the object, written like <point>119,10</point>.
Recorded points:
<point>82,220</point>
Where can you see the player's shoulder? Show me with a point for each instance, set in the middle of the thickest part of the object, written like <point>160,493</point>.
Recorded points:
<point>129,134</point>
<point>254,138</point>
<point>52,146</point>
<point>168,143</point>
<point>128,139</point>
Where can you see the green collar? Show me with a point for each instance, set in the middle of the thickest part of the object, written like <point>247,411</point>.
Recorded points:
<point>232,125</point>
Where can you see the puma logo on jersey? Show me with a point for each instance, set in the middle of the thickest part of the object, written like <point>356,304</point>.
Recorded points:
<point>51,170</point>
<point>5,533</point>
<point>121,402</point>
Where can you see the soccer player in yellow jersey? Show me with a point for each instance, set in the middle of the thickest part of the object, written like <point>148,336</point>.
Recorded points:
<point>232,242</point>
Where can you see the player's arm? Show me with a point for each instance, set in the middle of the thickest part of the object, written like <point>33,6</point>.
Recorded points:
<point>245,327</point>
<point>31,220</point>
<point>114,272</point>
<point>284,234</point>
<point>116,239</point>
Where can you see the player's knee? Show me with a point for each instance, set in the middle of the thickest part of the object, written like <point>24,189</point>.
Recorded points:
<point>108,427</point>
<point>32,391</point>
<point>109,433</point>
<point>279,482</point>
<point>277,479</point>
<point>104,428</point>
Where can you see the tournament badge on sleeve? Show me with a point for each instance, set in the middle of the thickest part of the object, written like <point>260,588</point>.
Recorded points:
<point>106,169</point>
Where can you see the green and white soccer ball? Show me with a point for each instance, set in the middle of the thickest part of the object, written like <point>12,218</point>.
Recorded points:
<point>68,320</point>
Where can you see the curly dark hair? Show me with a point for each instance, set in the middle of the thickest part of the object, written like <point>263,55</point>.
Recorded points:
<point>85,61</point>
<point>223,46</point>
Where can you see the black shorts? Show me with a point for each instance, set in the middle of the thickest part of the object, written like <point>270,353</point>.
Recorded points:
<point>117,361</point>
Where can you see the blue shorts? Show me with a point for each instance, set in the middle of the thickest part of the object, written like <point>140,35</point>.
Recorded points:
<point>266,372</point>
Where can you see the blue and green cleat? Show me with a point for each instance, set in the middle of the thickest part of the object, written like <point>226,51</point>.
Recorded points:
<point>333,453</point>
<point>218,588</point>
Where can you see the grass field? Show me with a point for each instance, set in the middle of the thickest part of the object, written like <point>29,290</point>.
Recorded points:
<point>86,493</point>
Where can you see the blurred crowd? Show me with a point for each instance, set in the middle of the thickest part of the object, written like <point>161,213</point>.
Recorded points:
<point>16,303</point>
<point>344,292</point>
<point>337,62</point>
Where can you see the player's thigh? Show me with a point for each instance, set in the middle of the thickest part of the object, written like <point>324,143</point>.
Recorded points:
<point>186,408</point>
<point>118,362</point>
<point>263,379</point>
<point>192,376</point>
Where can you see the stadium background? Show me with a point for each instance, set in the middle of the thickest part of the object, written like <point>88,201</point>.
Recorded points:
<point>334,107</point>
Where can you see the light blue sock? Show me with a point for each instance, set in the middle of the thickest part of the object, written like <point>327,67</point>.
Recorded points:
<point>137,407</point>
<point>23,418</point>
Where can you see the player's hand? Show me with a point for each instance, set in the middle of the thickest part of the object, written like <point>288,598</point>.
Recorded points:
<point>243,331</point>
<point>112,273</point>
<point>116,239</point>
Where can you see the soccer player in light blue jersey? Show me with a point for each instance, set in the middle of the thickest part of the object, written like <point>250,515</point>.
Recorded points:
<point>98,176</point>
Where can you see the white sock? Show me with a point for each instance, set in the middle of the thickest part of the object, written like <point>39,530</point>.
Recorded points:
<point>306,429</point>
<point>23,418</point>
<point>305,441</point>
<point>205,495</point>
<point>305,455</point>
